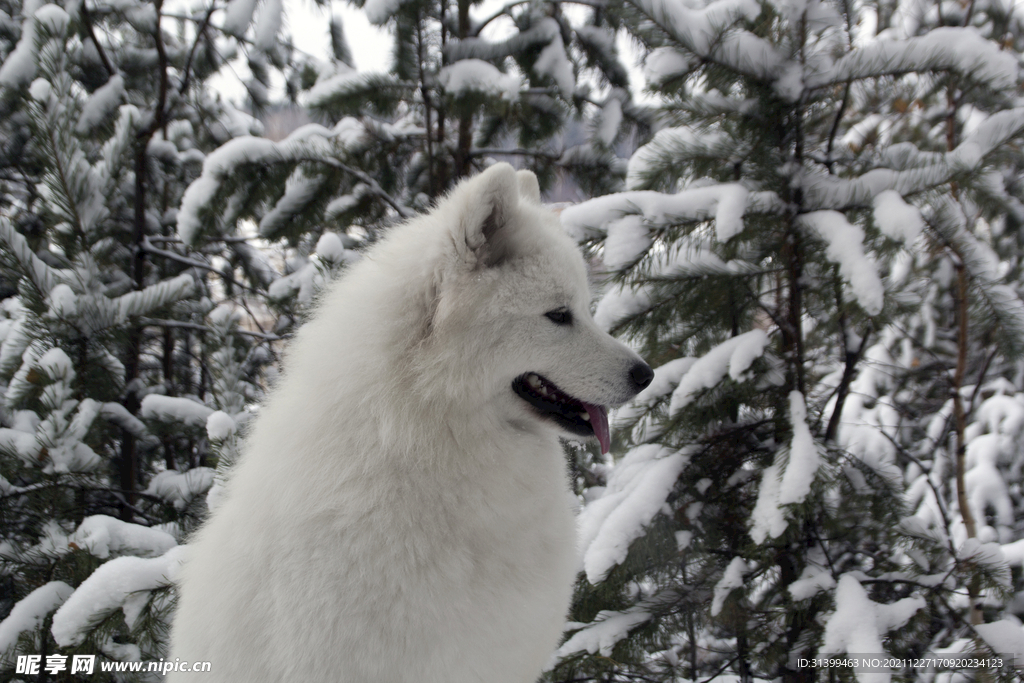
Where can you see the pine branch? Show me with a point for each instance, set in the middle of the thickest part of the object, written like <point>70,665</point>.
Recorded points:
<point>200,32</point>
<point>156,322</point>
<point>87,22</point>
<point>192,263</point>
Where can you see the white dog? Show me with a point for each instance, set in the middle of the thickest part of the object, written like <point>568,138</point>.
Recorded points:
<point>401,512</point>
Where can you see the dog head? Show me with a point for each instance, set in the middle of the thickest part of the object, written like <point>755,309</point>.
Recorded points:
<point>510,326</point>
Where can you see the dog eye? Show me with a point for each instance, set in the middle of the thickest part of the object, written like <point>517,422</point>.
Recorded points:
<point>560,316</point>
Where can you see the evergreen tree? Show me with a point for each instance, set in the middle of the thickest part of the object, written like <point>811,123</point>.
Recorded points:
<point>123,382</point>
<point>810,250</point>
<point>451,103</point>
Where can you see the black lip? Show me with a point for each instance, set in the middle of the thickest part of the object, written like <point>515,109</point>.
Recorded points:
<point>562,408</point>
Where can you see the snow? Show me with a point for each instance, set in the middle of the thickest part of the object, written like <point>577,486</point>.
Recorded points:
<point>220,426</point>
<point>299,191</point>
<point>306,281</point>
<point>379,11</point>
<point>607,629</point>
<point>104,536</point>
<point>803,455</point>
<point>309,141</point>
<point>180,488</point>
<point>174,409</point>
<point>40,90</point>
<point>101,104</point>
<point>732,357</point>
<point>986,487</point>
<point>54,17</point>
<point>732,578</point>
<point>553,62</point>
<point>1005,637</point>
<point>665,63</point>
<point>112,586</point>
<point>29,613</point>
<point>344,203</point>
<point>218,164</point>
<point>19,68</point>
<point>628,238</point>
<point>725,202</point>
<point>845,246</point>
<point>990,555</point>
<point>919,172</point>
<point>767,518</point>
<point>269,24</point>
<point>699,29</point>
<point>732,201</point>
<point>610,119</point>
<point>237,16</point>
<point>637,489</point>
<point>1001,414</point>
<point>331,249</point>
<point>56,364</point>
<point>24,444</point>
<point>962,49</point>
<point>812,581</point>
<point>1013,553</point>
<point>62,302</point>
<point>476,75</point>
<point>858,624</point>
<point>895,218</point>
<point>619,303</point>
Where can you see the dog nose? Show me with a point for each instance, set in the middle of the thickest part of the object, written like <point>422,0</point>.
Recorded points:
<point>641,374</point>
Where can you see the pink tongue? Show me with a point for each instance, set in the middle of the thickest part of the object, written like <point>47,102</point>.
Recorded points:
<point>599,421</point>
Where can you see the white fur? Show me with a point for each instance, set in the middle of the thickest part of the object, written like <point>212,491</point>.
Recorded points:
<point>400,514</point>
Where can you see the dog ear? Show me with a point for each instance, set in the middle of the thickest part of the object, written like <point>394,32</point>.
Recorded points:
<point>529,188</point>
<point>489,202</point>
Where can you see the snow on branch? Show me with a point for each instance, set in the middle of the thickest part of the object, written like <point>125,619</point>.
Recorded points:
<point>153,298</point>
<point>476,75</point>
<point>732,357</point>
<point>103,536</point>
<point>610,627</point>
<point>1005,637</point>
<point>707,32</point>
<point>180,488</point>
<point>312,142</point>
<point>43,277</point>
<point>941,49</point>
<point>174,409</point>
<point>672,151</point>
<point>379,11</point>
<point>637,488</point>
<point>237,17</point>
<point>859,624</point>
<point>896,218</point>
<point>541,33</point>
<point>299,191</point>
<point>917,171</point>
<point>732,578</point>
<point>803,455</point>
<point>1001,300</point>
<point>104,100</point>
<point>118,584</point>
<point>845,247</point>
<point>347,86</point>
<point>726,203</point>
<point>29,613</point>
<point>20,66</point>
<point>786,486</point>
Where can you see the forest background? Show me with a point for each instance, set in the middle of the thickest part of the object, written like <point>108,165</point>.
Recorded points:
<point>807,215</point>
